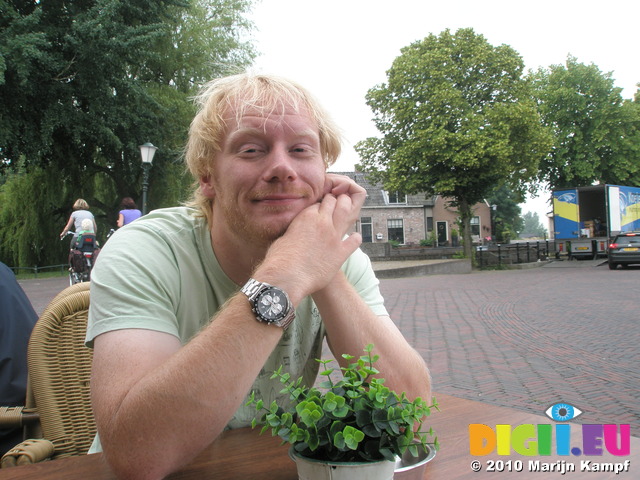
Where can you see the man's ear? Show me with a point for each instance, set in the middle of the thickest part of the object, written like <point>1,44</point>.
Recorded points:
<point>207,188</point>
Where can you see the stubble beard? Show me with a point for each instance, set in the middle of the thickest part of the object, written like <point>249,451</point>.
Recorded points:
<point>247,229</point>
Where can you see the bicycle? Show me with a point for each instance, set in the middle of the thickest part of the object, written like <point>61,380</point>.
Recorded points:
<point>82,257</point>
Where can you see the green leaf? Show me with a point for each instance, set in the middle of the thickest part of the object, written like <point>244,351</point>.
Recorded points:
<point>388,454</point>
<point>309,412</point>
<point>413,449</point>
<point>371,430</point>
<point>272,420</point>
<point>351,437</point>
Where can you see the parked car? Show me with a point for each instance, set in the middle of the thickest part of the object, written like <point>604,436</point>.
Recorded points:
<point>624,250</point>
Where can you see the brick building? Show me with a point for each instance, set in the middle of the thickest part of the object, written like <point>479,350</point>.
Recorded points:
<point>409,219</point>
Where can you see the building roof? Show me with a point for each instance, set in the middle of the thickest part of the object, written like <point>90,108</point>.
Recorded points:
<point>376,196</point>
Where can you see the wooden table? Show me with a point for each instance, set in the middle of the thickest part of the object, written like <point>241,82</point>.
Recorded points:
<point>245,455</point>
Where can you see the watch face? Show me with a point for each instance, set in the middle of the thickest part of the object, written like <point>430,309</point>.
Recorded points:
<point>271,305</point>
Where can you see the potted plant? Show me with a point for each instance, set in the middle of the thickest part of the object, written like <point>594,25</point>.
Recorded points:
<point>454,237</point>
<point>353,423</point>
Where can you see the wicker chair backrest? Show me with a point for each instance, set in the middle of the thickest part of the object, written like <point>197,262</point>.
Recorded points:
<point>59,372</point>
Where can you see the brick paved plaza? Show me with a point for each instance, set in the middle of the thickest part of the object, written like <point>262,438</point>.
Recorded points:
<point>525,339</point>
<point>528,339</point>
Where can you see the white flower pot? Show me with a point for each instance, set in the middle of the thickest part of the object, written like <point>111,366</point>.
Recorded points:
<point>311,469</point>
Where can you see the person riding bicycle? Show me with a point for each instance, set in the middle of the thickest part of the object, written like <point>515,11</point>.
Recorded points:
<point>80,213</point>
<point>85,242</point>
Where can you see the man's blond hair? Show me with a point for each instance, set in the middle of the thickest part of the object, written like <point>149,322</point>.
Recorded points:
<point>267,94</point>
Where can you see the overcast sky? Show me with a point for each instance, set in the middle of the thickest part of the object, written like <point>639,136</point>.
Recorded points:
<point>339,49</point>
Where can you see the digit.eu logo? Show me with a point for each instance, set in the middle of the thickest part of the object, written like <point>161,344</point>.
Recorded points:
<point>540,439</point>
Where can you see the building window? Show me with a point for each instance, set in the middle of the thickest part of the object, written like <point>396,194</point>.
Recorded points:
<point>366,229</point>
<point>395,230</point>
<point>396,198</point>
<point>475,225</point>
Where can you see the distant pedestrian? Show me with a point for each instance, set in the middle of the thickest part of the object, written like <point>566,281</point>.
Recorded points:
<point>17,318</point>
<point>129,212</point>
<point>80,212</point>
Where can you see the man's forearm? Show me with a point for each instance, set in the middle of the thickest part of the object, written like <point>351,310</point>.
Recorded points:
<point>177,408</point>
<point>351,325</point>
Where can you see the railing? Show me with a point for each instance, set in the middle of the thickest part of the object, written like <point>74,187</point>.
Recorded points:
<point>488,256</point>
<point>37,270</point>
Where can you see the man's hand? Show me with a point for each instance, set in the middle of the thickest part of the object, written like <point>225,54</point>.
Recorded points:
<point>341,184</point>
<point>314,247</point>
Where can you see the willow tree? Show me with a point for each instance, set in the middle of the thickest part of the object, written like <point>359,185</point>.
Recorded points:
<point>456,119</point>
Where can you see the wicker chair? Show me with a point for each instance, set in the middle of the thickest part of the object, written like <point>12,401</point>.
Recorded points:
<point>57,416</point>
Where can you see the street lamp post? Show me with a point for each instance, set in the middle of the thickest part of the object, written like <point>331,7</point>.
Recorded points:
<point>147,151</point>
<point>493,222</point>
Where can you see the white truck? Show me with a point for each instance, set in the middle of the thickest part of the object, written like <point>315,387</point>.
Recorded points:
<point>585,218</point>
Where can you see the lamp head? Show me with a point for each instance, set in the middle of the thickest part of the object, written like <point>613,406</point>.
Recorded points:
<point>147,151</point>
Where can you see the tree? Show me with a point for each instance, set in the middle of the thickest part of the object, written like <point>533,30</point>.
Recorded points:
<point>457,119</point>
<point>531,226</point>
<point>29,233</point>
<point>596,133</point>
<point>506,215</point>
<point>84,82</point>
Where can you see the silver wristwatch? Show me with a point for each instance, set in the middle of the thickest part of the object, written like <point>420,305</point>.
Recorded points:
<point>270,304</point>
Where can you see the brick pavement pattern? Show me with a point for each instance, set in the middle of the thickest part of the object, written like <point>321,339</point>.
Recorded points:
<point>528,339</point>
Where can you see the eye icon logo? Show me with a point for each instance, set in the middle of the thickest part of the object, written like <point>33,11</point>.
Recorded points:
<point>562,412</point>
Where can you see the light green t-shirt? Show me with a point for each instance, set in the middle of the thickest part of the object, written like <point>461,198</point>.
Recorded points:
<point>160,273</point>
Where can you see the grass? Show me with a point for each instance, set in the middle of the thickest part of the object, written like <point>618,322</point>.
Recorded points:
<point>28,273</point>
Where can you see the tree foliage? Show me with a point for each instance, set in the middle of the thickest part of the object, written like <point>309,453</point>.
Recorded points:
<point>531,226</point>
<point>28,233</point>
<point>596,133</point>
<point>84,82</point>
<point>506,215</point>
<point>457,119</point>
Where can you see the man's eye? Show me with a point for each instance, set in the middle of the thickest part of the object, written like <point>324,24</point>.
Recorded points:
<point>249,150</point>
<point>562,412</point>
<point>303,150</point>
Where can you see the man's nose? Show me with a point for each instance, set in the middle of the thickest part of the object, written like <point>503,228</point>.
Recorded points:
<point>280,166</point>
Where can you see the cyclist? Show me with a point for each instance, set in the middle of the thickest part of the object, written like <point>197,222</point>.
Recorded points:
<point>80,212</point>
<point>83,253</point>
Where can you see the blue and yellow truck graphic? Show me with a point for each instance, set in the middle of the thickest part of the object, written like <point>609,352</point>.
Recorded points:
<point>585,218</point>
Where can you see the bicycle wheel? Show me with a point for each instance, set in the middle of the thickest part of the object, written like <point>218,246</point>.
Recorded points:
<point>75,277</point>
